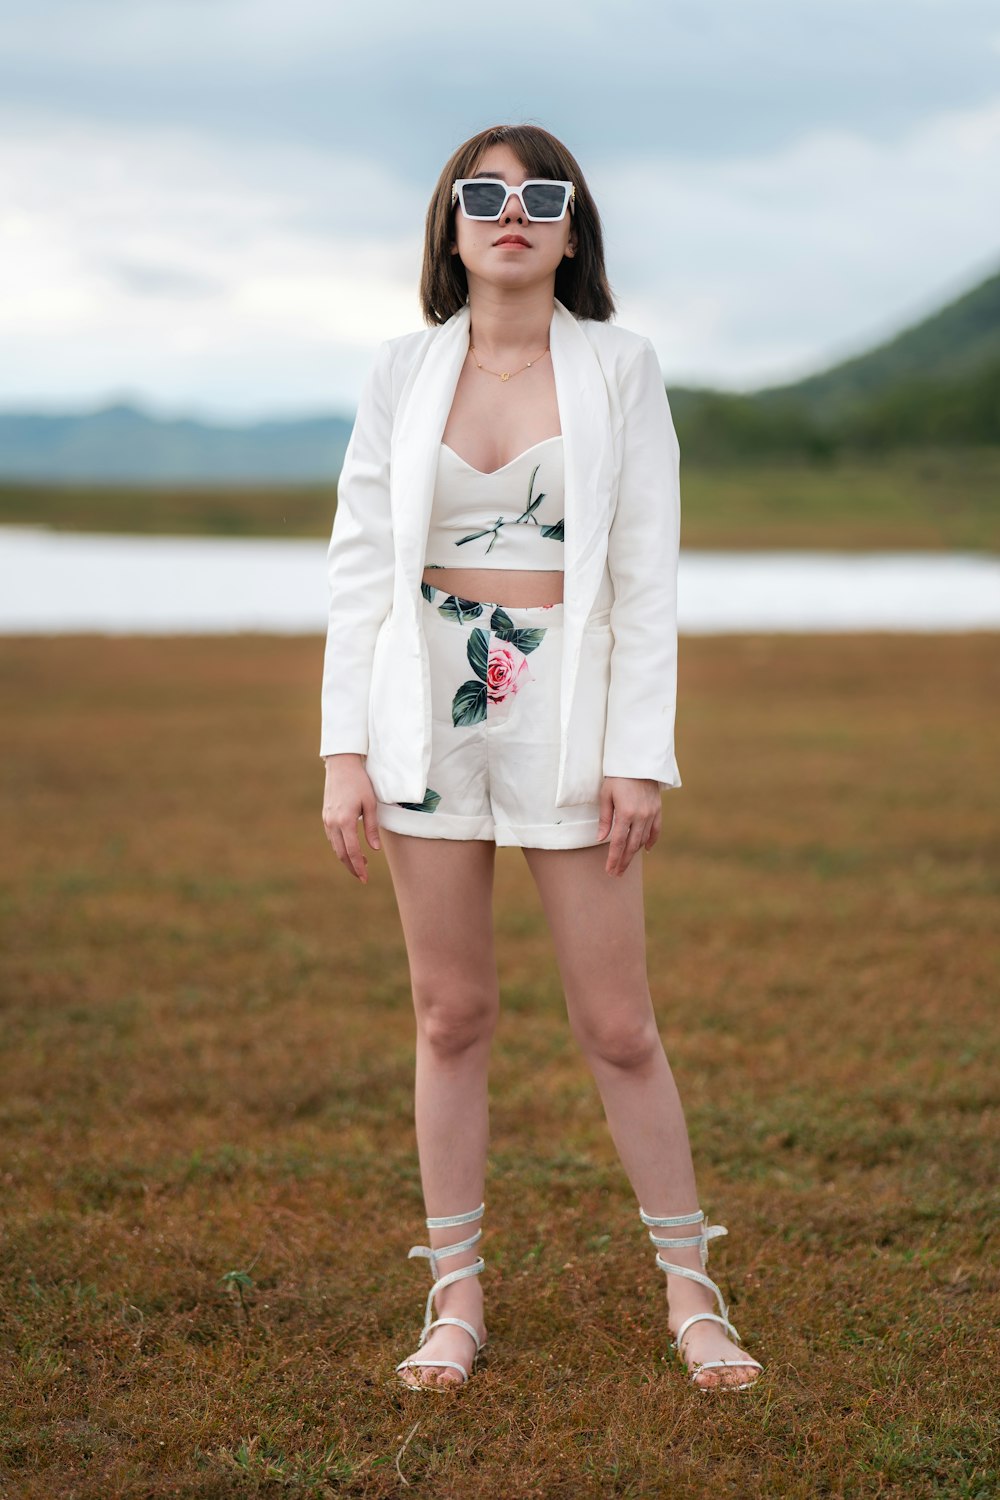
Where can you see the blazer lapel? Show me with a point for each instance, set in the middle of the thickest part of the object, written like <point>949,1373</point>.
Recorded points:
<point>585,417</point>
<point>420,421</point>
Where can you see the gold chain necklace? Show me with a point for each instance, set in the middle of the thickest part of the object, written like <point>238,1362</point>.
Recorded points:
<point>507,374</point>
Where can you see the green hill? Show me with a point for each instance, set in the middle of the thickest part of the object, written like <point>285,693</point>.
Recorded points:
<point>936,382</point>
<point>952,346</point>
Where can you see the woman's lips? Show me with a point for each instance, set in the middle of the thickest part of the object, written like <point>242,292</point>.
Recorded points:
<point>512,242</point>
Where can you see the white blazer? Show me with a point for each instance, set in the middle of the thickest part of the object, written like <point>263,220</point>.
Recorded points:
<point>622,535</point>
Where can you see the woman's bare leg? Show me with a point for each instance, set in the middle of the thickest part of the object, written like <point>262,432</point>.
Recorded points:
<point>444,891</point>
<point>598,929</point>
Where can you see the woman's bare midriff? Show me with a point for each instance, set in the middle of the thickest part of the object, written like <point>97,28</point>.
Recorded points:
<point>521,587</point>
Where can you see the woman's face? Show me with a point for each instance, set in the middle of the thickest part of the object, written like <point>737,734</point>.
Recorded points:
<point>477,244</point>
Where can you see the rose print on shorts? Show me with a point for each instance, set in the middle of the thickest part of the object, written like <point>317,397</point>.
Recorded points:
<point>501,670</point>
<point>505,669</point>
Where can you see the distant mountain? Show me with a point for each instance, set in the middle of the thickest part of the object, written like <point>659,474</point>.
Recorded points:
<point>122,443</point>
<point>938,381</point>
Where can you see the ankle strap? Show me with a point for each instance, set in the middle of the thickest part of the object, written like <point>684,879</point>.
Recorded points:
<point>442,1252</point>
<point>707,1232</point>
<point>677,1219</point>
<point>444,1223</point>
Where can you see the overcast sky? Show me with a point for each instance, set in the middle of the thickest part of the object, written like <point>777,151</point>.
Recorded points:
<point>216,206</point>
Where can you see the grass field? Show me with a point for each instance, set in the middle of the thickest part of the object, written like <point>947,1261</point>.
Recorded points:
<point>208,1043</point>
<point>942,498</point>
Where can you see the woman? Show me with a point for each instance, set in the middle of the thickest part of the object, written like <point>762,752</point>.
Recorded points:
<point>500,669</point>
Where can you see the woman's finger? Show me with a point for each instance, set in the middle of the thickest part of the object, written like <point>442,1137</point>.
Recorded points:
<point>619,840</point>
<point>636,832</point>
<point>355,859</point>
<point>369,812</point>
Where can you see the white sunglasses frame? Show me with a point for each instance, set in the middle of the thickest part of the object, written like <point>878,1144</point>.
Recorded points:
<point>461,182</point>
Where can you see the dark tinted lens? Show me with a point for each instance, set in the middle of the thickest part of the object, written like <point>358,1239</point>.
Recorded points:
<point>544,200</point>
<point>485,198</point>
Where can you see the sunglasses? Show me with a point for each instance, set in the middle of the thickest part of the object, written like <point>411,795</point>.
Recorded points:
<point>541,198</point>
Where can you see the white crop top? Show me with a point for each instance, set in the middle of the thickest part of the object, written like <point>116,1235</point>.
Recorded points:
<point>512,518</point>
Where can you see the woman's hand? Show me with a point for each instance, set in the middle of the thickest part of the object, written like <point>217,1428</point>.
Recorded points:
<point>348,796</point>
<point>637,809</point>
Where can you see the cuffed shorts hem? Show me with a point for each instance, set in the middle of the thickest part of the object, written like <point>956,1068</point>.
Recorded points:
<point>439,826</point>
<point>576,834</point>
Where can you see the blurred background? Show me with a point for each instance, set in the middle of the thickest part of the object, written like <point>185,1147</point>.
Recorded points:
<point>211,213</point>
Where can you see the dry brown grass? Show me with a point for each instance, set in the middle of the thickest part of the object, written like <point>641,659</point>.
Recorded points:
<point>208,1044</point>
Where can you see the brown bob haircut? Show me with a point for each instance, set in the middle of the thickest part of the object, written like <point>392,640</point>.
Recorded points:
<point>581,280</point>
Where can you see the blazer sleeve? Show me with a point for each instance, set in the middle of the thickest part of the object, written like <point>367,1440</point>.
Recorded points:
<point>643,549</point>
<point>360,567</point>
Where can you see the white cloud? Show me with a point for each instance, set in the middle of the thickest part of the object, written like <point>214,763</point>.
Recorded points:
<point>209,276</point>
<point>162,265</point>
<point>753,270</point>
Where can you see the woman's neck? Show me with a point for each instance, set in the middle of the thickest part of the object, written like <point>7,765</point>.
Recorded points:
<point>504,323</point>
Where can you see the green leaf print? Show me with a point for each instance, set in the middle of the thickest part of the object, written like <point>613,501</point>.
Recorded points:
<point>529,512</point>
<point>469,704</point>
<point>478,651</point>
<point>525,638</point>
<point>554,530</point>
<point>454,608</point>
<point>430,802</point>
<point>491,531</point>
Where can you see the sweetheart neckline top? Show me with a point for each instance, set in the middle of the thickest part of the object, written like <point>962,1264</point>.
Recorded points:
<point>488,473</point>
<point>465,528</point>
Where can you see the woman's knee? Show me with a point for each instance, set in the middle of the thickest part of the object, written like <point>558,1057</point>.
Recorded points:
<point>619,1040</point>
<point>455,1015</point>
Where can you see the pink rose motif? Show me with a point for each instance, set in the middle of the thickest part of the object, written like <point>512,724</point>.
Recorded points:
<point>505,668</point>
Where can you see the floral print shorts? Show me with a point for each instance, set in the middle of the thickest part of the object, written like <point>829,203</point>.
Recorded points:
<point>495,729</point>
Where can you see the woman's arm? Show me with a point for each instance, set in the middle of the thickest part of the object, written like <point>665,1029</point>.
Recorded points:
<point>643,547</point>
<point>360,566</point>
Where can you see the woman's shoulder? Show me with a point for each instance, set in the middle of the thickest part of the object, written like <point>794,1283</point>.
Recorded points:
<point>405,344</point>
<point>394,359</point>
<point>400,354</point>
<point>612,339</point>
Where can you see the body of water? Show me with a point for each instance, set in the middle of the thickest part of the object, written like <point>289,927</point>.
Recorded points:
<point>53,582</point>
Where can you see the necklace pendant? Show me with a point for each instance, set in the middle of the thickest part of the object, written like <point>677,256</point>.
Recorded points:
<point>505,375</point>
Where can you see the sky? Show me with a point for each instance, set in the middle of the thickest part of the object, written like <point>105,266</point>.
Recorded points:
<point>216,207</point>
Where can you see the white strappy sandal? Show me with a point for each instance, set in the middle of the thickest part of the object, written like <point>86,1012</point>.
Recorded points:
<point>708,1232</point>
<point>473,1270</point>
